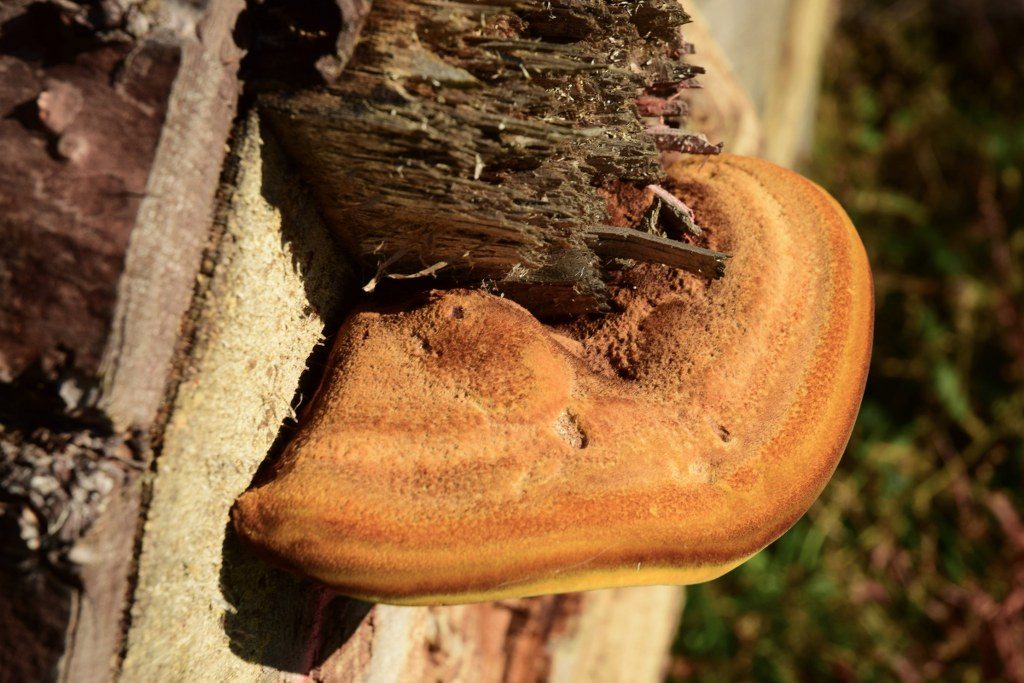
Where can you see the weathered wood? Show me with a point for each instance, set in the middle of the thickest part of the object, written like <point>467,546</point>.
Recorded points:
<point>172,225</point>
<point>491,136</point>
<point>679,214</point>
<point>78,135</point>
<point>110,149</point>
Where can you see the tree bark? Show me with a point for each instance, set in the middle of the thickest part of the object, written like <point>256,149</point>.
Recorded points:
<point>110,148</point>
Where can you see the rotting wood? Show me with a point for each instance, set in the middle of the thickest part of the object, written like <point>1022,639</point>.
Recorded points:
<point>486,136</point>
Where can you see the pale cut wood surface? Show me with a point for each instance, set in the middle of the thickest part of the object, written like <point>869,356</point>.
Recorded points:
<point>276,278</point>
<point>750,35</point>
<point>775,48</point>
<point>623,635</point>
<point>611,636</point>
<point>721,108</point>
<point>790,110</point>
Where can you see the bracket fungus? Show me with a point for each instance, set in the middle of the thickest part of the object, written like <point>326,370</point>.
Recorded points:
<point>459,450</point>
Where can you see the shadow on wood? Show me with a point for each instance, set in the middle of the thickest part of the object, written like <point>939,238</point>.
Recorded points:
<point>273,281</point>
<point>273,618</point>
<point>263,624</point>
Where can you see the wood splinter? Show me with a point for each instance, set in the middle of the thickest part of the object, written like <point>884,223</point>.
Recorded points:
<point>679,211</point>
<point>610,242</point>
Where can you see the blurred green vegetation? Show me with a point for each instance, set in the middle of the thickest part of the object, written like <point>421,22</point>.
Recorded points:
<point>911,565</point>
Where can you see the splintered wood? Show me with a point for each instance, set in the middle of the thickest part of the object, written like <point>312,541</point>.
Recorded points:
<point>485,135</point>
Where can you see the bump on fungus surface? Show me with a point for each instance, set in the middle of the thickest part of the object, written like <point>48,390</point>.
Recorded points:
<point>460,450</point>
